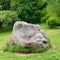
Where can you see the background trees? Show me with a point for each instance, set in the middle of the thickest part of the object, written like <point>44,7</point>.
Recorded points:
<point>53,10</point>
<point>7,19</point>
<point>5,4</point>
<point>32,11</point>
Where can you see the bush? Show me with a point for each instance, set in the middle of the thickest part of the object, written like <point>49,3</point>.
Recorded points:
<point>0,7</point>
<point>7,19</point>
<point>14,4</point>
<point>44,19</point>
<point>19,49</point>
<point>29,12</point>
<point>53,22</point>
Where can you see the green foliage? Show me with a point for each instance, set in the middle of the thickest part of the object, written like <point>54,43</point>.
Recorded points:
<point>41,4</point>
<point>14,4</point>
<point>51,54</point>
<point>7,19</point>
<point>53,22</point>
<point>51,13</point>
<point>32,11</point>
<point>44,19</point>
<point>0,7</point>
<point>29,12</point>
<point>19,49</point>
<point>5,4</point>
<point>53,7</point>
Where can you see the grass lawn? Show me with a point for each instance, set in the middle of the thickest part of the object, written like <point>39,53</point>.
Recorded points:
<point>52,54</point>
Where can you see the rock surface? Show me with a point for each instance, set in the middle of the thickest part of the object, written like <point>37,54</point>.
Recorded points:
<point>28,35</point>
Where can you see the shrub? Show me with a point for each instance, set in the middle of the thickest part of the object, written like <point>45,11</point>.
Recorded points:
<point>53,22</point>
<point>29,12</point>
<point>44,19</point>
<point>0,7</point>
<point>7,19</point>
<point>19,49</point>
<point>14,4</point>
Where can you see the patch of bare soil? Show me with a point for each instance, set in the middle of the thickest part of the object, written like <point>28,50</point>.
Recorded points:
<point>31,54</point>
<point>54,47</point>
<point>1,50</point>
<point>22,54</point>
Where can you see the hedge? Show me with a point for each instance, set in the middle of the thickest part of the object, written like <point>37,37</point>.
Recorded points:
<point>7,19</point>
<point>53,22</point>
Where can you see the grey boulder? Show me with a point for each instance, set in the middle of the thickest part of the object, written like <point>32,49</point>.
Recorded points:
<point>28,35</point>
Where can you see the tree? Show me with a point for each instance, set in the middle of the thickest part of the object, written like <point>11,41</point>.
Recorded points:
<point>5,4</point>
<point>30,11</point>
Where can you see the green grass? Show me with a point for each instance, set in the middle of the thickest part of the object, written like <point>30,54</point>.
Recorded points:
<point>18,49</point>
<point>52,54</point>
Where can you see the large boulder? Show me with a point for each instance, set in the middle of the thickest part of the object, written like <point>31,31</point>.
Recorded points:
<point>28,35</point>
